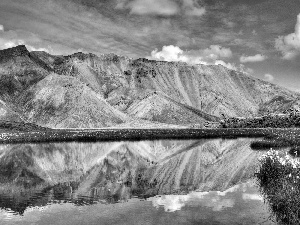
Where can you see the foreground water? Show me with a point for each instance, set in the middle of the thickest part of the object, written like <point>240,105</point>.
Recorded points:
<point>146,182</point>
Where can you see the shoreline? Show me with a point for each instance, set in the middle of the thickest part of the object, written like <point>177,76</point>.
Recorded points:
<point>114,134</point>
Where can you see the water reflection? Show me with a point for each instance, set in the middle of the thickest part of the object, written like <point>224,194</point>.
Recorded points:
<point>169,174</point>
<point>240,203</point>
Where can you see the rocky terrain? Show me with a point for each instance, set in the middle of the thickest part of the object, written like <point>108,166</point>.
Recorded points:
<point>281,104</point>
<point>89,91</point>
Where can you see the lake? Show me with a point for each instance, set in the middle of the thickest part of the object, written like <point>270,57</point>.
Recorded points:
<point>207,181</point>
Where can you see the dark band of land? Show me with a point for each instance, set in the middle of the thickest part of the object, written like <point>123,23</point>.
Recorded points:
<point>94,135</point>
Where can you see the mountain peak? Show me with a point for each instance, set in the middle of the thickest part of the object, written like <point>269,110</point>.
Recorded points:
<point>19,50</point>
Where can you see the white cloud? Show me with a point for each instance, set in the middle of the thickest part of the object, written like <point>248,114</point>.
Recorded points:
<point>209,56</point>
<point>169,53</point>
<point>150,7</point>
<point>195,12</point>
<point>253,197</point>
<point>32,48</point>
<point>289,45</point>
<point>162,7</point>
<point>246,69</point>
<point>227,65</point>
<point>120,4</point>
<point>10,43</point>
<point>216,51</point>
<point>4,44</point>
<point>269,77</point>
<point>1,27</point>
<point>228,23</point>
<point>13,38</point>
<point>192,8</point>
<point>70,25</point>
<point>232,66</point>
<point>171,203</point>
<point>254,58</point>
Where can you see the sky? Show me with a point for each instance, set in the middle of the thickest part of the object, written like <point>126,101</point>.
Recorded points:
<point>258,37</point>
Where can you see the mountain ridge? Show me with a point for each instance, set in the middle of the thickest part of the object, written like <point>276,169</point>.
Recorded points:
<point>185,94</point>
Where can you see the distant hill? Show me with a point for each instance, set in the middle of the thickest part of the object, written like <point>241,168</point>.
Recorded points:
<point>19,69</point>
<point>281,104</point>
<point>8,114</point>
<point>86,90</point>
<point>161,108</point>
<point>63,101</point>
<point>16,126</point>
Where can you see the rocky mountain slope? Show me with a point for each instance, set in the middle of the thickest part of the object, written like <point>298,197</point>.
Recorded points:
<point>161,108</point>
<point>19,70</point>
<point>85,90</point>
<point>7,114</point>
<point>281,104</point>
<point>63,101</point>
<point>215,90</point>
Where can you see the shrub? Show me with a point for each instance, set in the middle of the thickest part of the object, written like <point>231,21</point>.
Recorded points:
<point>272,120</point>
<point>278,178</point>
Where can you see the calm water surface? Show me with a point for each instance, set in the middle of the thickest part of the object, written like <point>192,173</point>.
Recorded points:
<point>146,182</point>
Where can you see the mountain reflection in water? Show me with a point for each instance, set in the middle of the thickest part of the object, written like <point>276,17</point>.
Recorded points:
<point>196,180</point>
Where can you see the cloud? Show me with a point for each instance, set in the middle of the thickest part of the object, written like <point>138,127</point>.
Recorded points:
<point>232,66</point>
<point>223,35</point>
<point>67,26</point>
<point>4,44</point>
<point>169,53</point>
<point>227,65</point>
<point>1,27</point>
<point>162,7</point>
<point>248,43</point>
<point>254,58</point>
<point>192,8</point>
<point>216,51</point>
<point>11,38</point>
<point>171,203</point>
<point>253,197</point>
<point>13,43</point>
<point>228,23</point>
<point>269,77</point>
<point>150,7</point>
<point>289,45</point>
<point>295,89</point>
<point>208,56</point>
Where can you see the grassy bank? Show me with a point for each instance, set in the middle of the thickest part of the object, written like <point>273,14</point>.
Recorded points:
<point>290,120</point>
<point>94,135</point>
<point>16,132</point>
<point>279,181</point>
<point>126,134</point>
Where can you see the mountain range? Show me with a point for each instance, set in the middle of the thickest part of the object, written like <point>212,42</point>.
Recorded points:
<point>89,91</point>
